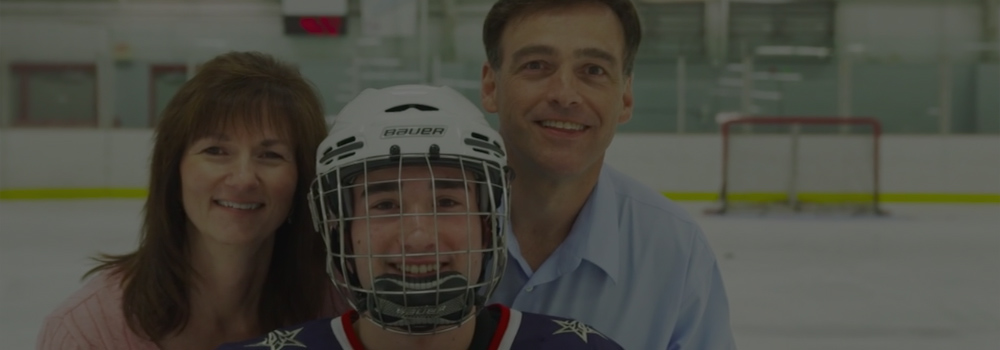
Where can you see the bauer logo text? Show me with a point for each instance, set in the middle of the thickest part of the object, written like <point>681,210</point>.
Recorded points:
<point>413,131</point>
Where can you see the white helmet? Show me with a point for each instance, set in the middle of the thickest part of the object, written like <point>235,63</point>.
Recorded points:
<point>411,126</point>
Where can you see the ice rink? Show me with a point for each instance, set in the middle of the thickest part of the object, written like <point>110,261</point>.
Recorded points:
<point>927,277</point>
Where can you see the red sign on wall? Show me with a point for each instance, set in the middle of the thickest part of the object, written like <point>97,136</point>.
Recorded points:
<point>314,25</point>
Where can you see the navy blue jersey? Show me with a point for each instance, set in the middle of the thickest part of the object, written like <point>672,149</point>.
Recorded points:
<point>503,329</point>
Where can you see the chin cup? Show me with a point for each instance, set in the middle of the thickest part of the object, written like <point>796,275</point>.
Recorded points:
<point>420,304</point>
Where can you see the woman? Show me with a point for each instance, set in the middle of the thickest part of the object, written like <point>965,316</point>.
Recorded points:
<point>228,251</point>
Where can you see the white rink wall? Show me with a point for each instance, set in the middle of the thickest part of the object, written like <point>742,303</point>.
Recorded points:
<point>74,158</point>
<point>41,159</point>
<point>910,164</point>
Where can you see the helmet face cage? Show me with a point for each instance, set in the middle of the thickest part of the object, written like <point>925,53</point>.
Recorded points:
<point>372,211</point>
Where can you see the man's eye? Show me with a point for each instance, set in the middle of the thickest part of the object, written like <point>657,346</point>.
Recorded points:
<point>595,70</point>
<point>533,65</point>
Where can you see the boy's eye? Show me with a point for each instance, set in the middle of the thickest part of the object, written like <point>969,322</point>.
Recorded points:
<point>386,205</point>
<point>447,203</point>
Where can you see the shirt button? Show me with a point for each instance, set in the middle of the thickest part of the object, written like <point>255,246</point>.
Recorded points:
<point>530,289</point>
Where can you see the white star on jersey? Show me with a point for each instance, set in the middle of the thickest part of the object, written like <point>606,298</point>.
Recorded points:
<point>576,327</point>
<point>278,339</point>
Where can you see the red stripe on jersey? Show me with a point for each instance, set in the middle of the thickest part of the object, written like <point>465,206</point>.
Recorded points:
<point>348,322</point>
<point>501,327</point>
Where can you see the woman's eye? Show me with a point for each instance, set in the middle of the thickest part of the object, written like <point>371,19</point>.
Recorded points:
<point>214,150</point>
<point>273,155</point>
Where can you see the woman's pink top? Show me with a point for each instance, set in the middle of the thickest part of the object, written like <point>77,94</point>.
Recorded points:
<point>92,318</point>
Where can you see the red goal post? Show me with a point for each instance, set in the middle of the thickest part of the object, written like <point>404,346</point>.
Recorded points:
<point>800,164</point>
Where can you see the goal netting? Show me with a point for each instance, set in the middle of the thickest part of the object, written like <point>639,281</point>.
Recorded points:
<point>800,164</point>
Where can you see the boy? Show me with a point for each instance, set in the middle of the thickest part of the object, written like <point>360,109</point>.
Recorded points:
<point>410,198</point>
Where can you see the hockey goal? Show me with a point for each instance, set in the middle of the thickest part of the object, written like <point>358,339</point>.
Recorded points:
<point>796,164</point>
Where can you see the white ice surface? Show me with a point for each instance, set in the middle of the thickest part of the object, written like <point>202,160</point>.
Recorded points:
<point>925,278</point>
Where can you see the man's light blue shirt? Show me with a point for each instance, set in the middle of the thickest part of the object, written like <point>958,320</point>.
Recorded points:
<point>634,266</point>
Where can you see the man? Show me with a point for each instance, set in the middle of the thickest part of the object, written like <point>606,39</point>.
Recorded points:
<point>587,241</point>
<point>410,197</point>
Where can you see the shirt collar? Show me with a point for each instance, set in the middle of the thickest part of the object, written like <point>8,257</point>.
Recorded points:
<point>597,224</point>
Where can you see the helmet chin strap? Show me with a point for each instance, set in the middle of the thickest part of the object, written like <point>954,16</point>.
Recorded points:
<point>419,305</point>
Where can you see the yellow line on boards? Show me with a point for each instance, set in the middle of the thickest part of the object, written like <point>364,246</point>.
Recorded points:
<point>843,197</point>
<point>71,193</point>
<point>98,193</point>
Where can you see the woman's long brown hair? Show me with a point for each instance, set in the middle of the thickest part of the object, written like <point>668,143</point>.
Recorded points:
<point>252,90</point>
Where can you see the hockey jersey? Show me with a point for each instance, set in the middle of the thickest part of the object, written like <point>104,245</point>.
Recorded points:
<point>503,329</point>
